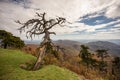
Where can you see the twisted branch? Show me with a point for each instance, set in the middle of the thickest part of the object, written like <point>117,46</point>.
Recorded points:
<point>40,25</point>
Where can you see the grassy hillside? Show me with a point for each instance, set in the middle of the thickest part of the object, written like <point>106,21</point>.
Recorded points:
<point>10,61</point>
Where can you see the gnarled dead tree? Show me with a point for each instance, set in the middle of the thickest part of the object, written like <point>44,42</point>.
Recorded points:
<point>41,26</point>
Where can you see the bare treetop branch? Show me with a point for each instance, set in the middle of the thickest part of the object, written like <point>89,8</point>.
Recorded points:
<point>40,25</point>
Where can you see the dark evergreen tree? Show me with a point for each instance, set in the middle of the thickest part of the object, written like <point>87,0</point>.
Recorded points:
<point>102,53</point>
<point>5,37</point>
<point>8,40</point>
<point>116,68</point>
<point>85,55</point>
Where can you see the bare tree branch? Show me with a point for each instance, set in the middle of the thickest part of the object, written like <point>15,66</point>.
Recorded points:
<point>41,26</point>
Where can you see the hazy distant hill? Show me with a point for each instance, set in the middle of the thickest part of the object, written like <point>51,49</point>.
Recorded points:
<point>112,47</point>
<point>73,47</point>
<point>67,42</point>
<point>69,46</point>
<point>116,41</point>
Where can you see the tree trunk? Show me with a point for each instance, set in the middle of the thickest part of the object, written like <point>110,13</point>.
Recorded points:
<point>5,45</point>
<point>39,59</point>
<point>43,51</point>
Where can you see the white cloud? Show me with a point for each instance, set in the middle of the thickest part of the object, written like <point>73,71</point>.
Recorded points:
<point>113,10</point>
<point>71,9</point>
<point>82,26</point>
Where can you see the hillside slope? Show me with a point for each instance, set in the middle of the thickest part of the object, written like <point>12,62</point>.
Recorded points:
<point>73,47</point>
<point>70,47</point>
<point>112,48</point>
<point>10,70</point>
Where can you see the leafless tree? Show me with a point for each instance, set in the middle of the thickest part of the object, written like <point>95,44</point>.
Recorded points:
<point>40,26</point>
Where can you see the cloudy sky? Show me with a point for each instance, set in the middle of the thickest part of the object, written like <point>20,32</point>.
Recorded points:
<point>91,19</point>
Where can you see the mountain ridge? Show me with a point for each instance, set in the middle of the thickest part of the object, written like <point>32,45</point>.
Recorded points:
<point>112,48</point>
<point>73,47</point>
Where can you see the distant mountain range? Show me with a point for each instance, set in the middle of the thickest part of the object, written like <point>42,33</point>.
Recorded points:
<point>73,47</point>
<point>112,48</point>
<point>116,41</point>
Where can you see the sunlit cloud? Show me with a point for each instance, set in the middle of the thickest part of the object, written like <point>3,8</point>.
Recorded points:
<point>89,18</point>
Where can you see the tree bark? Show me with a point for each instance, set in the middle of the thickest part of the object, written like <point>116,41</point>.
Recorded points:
<point>39,59</point>
<point>43,51</point>
<point>5,45</point>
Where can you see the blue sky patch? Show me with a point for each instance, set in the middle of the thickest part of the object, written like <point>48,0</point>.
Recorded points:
<point>101,19</point>
<point>108,27</point>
